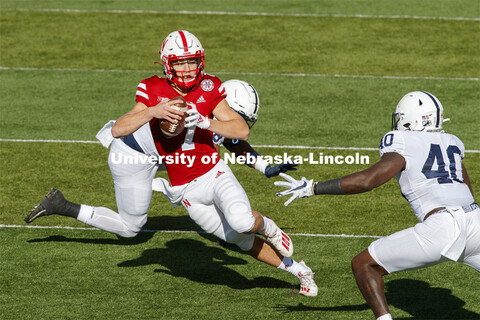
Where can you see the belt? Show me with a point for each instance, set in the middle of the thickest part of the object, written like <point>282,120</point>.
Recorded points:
<point>466,209</point>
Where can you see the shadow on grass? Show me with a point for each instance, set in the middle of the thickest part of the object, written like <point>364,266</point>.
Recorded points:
<point>425,302</point>
<point>413,296</point>
<point>193,260</point>
<point>180,223</point>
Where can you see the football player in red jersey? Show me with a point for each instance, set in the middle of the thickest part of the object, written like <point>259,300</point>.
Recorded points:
<point>200,180</point>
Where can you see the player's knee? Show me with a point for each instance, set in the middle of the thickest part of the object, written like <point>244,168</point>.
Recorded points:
<point>364,262</point>
<point>132,228</point>
<point>356,264</point>
<point>240,217</point>
<point>126,233</point>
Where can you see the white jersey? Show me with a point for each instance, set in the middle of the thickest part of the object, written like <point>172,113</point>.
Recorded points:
<point>433,174</point>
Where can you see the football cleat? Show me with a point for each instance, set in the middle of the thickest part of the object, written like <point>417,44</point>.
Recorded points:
<point>279,239</point>
<point>53,203</point>
<point>308,287</point>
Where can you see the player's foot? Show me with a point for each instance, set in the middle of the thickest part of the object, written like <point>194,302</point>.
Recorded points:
<point>53,203</point>
<point>280,240</point>
<point>308,286</point>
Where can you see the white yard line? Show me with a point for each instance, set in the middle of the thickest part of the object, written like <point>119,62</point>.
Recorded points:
<point>236,13</point>
<point>314,75</point>
<point>182,231</point>
<point>268,146</point>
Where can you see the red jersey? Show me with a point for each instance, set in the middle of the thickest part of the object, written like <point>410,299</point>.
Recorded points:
<point>184,165</point>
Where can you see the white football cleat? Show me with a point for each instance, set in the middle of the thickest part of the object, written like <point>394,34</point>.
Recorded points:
<point>308,287</point>
<point>279,239</point>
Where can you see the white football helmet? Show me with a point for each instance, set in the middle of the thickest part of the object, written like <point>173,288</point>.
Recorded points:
<point>418,111</point>
<point>243,98</point>
<point>180,45</point>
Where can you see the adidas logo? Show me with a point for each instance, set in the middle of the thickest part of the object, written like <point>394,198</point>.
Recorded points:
<point>285,241</point>
<point>201,99</point>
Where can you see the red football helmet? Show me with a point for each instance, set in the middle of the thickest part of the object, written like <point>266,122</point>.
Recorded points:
<point>182,45</point>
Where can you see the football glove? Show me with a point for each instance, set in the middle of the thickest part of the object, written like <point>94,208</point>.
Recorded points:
<point>297,188</point>
<point>196,119</point>
<point>272,171</point>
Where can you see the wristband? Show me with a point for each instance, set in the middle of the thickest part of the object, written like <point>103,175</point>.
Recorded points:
<point>260,164</point>
<point>328,187</point>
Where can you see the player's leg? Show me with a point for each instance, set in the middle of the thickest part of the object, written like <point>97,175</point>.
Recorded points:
<point>472,248</point>
<point>232,200</point>
<point>369,277</point>
<point>265,252</point>
<point>212,220</point>
<point>132,180</point>
<point>409,249</point>
<point>132,176</point>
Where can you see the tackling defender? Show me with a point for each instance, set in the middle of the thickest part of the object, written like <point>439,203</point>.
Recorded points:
<point>243,98</point>
<point>208,189</point>
<point>427,163</point>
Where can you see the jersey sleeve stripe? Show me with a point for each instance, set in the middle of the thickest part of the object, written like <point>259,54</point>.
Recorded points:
<point>142,94</point>
<point>142,86</point>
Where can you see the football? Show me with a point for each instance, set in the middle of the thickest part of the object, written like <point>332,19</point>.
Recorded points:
<point>170,129</point>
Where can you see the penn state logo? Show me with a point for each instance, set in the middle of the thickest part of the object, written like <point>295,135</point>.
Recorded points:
<point>207,85</point>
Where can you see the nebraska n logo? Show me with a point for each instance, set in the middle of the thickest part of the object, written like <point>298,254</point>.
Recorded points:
<point>186,203</point>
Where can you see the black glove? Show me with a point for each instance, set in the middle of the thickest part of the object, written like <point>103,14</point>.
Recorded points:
<point>272,171</point>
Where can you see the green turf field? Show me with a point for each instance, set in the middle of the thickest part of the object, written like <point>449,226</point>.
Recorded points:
<point>329,74</point>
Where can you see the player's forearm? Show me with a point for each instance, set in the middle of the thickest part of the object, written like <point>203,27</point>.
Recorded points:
<point>130,122</point>
<point>232,129</point>
<point>363,181</point>
<point>358,182</point>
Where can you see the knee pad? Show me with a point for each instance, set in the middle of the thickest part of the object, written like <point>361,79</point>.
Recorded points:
<point>240,217</point>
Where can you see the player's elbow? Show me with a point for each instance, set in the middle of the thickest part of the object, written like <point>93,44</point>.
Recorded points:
<point>117,131</point>
<point>245,134</point>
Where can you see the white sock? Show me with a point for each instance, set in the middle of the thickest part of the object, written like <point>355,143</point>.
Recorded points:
<point>85,214</point>
<point>387,316</point>
<point>290,265</point>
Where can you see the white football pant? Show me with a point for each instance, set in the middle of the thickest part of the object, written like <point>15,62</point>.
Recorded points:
<point>132,176</point>
<point>421,245</point>
<point>218,204</point>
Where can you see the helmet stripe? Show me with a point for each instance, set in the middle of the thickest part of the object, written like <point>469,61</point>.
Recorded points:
<point>256,98</point>
<point>436,105</point>
<point>184,40</point>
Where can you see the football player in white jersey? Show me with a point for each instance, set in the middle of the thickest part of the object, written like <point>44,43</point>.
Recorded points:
<point>427,163</point>
<point>243,98</point>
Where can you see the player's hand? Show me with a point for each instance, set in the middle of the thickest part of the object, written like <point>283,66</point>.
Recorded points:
<point>196,119</point>
<point>297,188</point>
<point>163,110</point>
<point>272,171</point>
